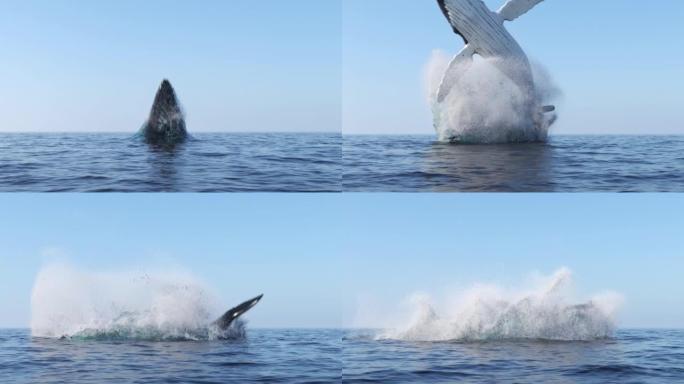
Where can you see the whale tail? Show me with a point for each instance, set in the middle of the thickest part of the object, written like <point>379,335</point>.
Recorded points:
<point>232,314</point>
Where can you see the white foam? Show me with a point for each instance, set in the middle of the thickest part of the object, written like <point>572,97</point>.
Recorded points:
<point>72,302</point>
<point>488,312</point>
<point>486,106</point>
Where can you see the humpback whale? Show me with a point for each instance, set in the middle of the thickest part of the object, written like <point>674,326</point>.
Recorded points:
<point>166,123</point>
<point>484,34</point>
<point>224,322</point>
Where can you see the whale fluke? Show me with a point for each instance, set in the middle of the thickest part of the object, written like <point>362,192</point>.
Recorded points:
<point>227,319</point>
<point>166,123</point>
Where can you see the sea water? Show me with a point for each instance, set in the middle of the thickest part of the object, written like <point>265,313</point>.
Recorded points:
<point>420,163</point>
<point>208,162</point>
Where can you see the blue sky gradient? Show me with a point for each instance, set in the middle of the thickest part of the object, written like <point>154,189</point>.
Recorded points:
<point>243,65</point>
<point>619,63</point>
<point>239,65</point>
<point>315,256</point>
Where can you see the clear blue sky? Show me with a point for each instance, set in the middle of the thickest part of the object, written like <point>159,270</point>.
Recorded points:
<point>620,63</point>
<point>315,256</point>
<point>238,65</point>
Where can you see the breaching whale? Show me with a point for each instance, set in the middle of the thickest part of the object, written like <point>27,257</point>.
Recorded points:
<point>166,123</point>
<point>224,322</point>
<point>485,35</point>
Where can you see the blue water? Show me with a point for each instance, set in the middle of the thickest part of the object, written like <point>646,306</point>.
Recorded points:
<point>565,164</point>
<point>210,162</point>
<point>633,356</point>
<point>278,356</point>
<point>350,356</point>
<point>225,162</point>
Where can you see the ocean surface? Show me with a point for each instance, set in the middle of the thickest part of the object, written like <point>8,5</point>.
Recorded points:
<point>282,162</point>
<point>209,162</point>
<point>632,356</point>
<point>350,356</point>
<point>419,163</point>
<point>276,356</point>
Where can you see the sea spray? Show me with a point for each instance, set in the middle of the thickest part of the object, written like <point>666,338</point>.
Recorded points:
<point>162,305</point>
<point>486,107</point>
<point>487,312</point>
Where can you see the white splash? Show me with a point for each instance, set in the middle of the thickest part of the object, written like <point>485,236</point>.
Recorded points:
<point>69,302</point>
<point>487,312</point>
<point>486,107</point>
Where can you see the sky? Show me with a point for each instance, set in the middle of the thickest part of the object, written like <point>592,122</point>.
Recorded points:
<point>318,258</point>
<point>619,64</point>
<point>323,66</point>
<point>239,65</point>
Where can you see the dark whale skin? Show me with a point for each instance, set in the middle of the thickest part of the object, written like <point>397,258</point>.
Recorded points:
<point>231,315</point>
<point>166,123</point>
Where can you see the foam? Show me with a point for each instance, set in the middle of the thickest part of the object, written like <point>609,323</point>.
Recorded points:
<point>488,312</point>
<point>161,305</point>
<point>486,107</point>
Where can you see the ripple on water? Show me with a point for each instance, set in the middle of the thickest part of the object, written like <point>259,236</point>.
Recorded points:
<point>276,354</point>
<point>208,162</point>
<point>566,164</point>
<point>642,356</point>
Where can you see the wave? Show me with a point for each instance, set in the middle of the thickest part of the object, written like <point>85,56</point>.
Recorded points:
<point>486,107</point>
<point>78,304</point>
<point>486,313</point>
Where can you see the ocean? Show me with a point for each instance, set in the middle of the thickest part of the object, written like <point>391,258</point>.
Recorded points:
<point>631,356</point>
<point>418,163</point>
<point>349,356</point>
<point>209,162</point>
<point>272,356</point>
<point>295,162</point>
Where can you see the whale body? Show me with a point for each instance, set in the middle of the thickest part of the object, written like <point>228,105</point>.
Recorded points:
<point>166,123</point>
<point>484,34</point>
<point>492,114</point>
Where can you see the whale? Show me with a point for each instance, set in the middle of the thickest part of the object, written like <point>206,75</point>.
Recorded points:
<point>224,322</point>
<point>166,122</point>
<point>484,34</point>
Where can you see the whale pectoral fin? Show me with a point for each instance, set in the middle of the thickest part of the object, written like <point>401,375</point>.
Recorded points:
<point>224,321</point>
<point>516,8</point>
<point>458,65</point>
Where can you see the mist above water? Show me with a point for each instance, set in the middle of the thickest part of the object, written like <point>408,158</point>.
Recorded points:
<point>486,107</point>
<point>489,312</point>
<point>162,305</point>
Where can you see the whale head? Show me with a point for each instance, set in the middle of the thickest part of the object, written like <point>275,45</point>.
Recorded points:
<point>166,123</point>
